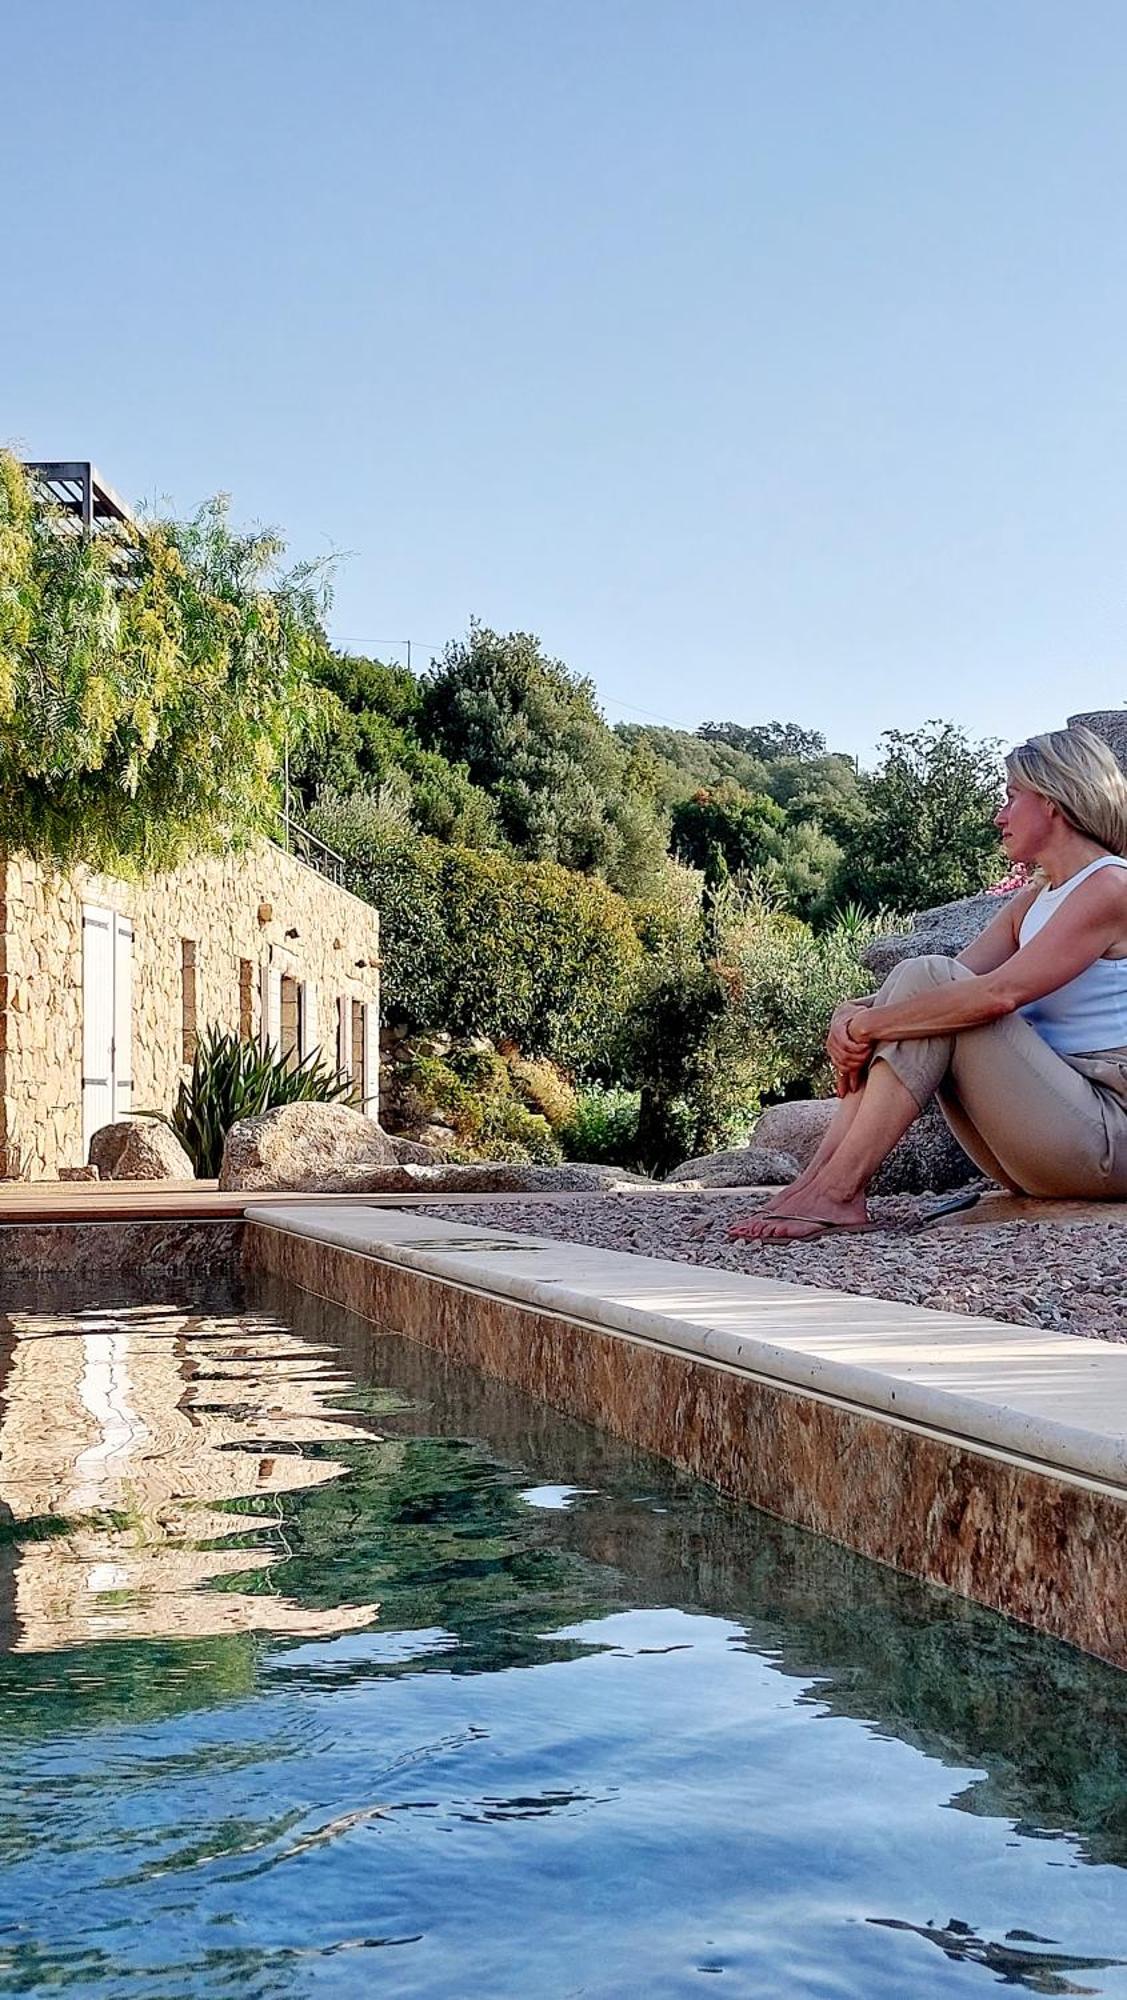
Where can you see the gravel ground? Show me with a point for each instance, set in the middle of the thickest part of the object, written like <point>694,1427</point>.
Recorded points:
<point>1068,1276</point>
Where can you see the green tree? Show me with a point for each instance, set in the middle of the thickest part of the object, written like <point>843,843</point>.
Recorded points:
<point>921,832</point>
<point>689,763</point>
<point>804,868</point>
<point>766,741</point>
<point>368,741</point>
<point>812,787</point>
<point>726,831</point>
<point>529,733</point>
<point>149,679</point>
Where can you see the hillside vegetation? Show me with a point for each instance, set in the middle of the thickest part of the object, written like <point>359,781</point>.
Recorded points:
<point>614,941</point>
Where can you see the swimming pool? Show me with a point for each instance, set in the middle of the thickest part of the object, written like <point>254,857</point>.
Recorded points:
<point>331,1667</point>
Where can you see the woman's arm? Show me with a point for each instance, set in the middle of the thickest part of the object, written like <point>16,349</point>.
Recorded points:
<point>1001,938</point>
<point>1093,918</point>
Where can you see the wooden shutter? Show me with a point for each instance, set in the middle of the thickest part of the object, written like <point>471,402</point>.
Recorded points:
<point>123,1017</point>
<point>271,1007</point>
<point>310,1026</point>
<point>371,1083</point>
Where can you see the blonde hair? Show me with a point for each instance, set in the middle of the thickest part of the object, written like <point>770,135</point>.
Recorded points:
<point>1076,770</point>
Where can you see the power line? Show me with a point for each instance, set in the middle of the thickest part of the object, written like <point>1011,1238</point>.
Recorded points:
<point>424,646</point>
<point>652,713</point>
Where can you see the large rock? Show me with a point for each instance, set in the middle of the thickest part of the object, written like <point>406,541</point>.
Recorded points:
<point>1111,724</point>
<point>308,1148</point>
<point>106,1146</point>
<point>278,1152</point>
<point>928,1159</point>
<point>416,1152</point>
<point>746,1166</point>
<point>947,929</point>
<point>139,1149</point>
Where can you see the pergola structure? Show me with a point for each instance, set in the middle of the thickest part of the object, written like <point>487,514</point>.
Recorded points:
<point>75,485</point>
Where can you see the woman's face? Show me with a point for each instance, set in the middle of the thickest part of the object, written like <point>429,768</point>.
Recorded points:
<point>1025,820</point>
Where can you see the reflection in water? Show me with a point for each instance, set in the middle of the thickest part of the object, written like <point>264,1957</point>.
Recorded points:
<point>156,1421</point>
<point>1010,1960</point>
<point>605,1733</point>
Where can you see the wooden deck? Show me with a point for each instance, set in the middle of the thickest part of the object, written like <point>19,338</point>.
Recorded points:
<point>153,1201</point>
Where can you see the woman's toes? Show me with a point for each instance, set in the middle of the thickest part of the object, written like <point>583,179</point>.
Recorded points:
<point>748,1230</point>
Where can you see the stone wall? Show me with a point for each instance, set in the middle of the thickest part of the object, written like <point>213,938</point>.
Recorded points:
<point>261,909</point>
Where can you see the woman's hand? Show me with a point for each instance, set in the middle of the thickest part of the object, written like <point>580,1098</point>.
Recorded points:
<point>848,1054</point>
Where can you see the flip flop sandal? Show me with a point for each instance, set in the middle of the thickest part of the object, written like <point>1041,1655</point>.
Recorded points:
<point>954,1204</point>
<point>909,1227</point>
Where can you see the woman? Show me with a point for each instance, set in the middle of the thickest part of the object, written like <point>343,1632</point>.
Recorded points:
<point>1022,1038</point>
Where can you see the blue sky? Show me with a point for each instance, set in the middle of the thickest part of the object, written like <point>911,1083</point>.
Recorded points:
<point>767,358</point>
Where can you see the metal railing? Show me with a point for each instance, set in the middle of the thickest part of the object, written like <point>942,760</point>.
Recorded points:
<point>298,841</point>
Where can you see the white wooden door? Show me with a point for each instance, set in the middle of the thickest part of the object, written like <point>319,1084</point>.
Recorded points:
<point>107,1019</point>
<point>97,1021</point>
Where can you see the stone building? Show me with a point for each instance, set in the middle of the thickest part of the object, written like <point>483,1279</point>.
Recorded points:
<point>105,986</point>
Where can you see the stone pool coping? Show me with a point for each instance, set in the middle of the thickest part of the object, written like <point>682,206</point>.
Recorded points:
<point>927,1441</point>
<point>1051,1399</point>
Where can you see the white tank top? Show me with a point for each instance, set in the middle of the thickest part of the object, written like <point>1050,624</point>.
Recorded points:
<point>1090,1012</point>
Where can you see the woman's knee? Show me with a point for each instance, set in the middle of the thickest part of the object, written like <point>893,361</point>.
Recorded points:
<point>919,975</point>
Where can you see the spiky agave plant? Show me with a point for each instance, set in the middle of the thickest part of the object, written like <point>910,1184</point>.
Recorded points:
<point>232,1079</point>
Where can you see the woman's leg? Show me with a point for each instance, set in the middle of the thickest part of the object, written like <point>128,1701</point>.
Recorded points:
<point>835,1193</point>
<point>902,1078</point>
<point>845,1111</point>
<point>1020,1111</point>
<point>1051,1130</point>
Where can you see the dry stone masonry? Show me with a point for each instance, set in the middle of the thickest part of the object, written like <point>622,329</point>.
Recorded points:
<point>250,919</point>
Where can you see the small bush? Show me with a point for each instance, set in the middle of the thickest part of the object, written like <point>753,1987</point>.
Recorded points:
<point>512,1132</point>
<point>472,1090</point>
<point>543,1088</point>
<point>603,1128</point>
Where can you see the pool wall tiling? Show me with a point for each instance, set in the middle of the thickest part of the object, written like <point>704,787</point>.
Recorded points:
<point>195,1248</point>
<point>1037,1530</point>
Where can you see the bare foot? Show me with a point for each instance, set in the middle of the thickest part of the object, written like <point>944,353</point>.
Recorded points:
<point>790,1221</point>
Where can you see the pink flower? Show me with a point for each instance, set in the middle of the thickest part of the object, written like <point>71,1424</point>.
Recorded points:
<point>1018,878</point>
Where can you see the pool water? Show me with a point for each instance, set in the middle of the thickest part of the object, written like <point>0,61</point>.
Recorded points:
<point>330,1668</point>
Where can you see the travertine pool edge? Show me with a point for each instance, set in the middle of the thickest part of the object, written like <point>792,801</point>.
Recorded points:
<point>1043,1542</point>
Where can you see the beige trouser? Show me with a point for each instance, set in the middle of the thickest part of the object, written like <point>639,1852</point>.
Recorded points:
<point>1040,1123</point>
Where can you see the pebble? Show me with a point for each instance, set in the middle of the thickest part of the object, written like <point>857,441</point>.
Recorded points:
<point>1070,1277</point>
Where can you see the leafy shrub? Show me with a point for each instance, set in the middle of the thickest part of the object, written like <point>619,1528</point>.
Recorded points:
<point>714,1032</point>
<point>512,1132</point>
<point>472,1090</point>
<point>544,1088</point>
<point>603,1128</point>
<point>789,979</point>
<point>480,944</point>
<point>233,1079</point>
